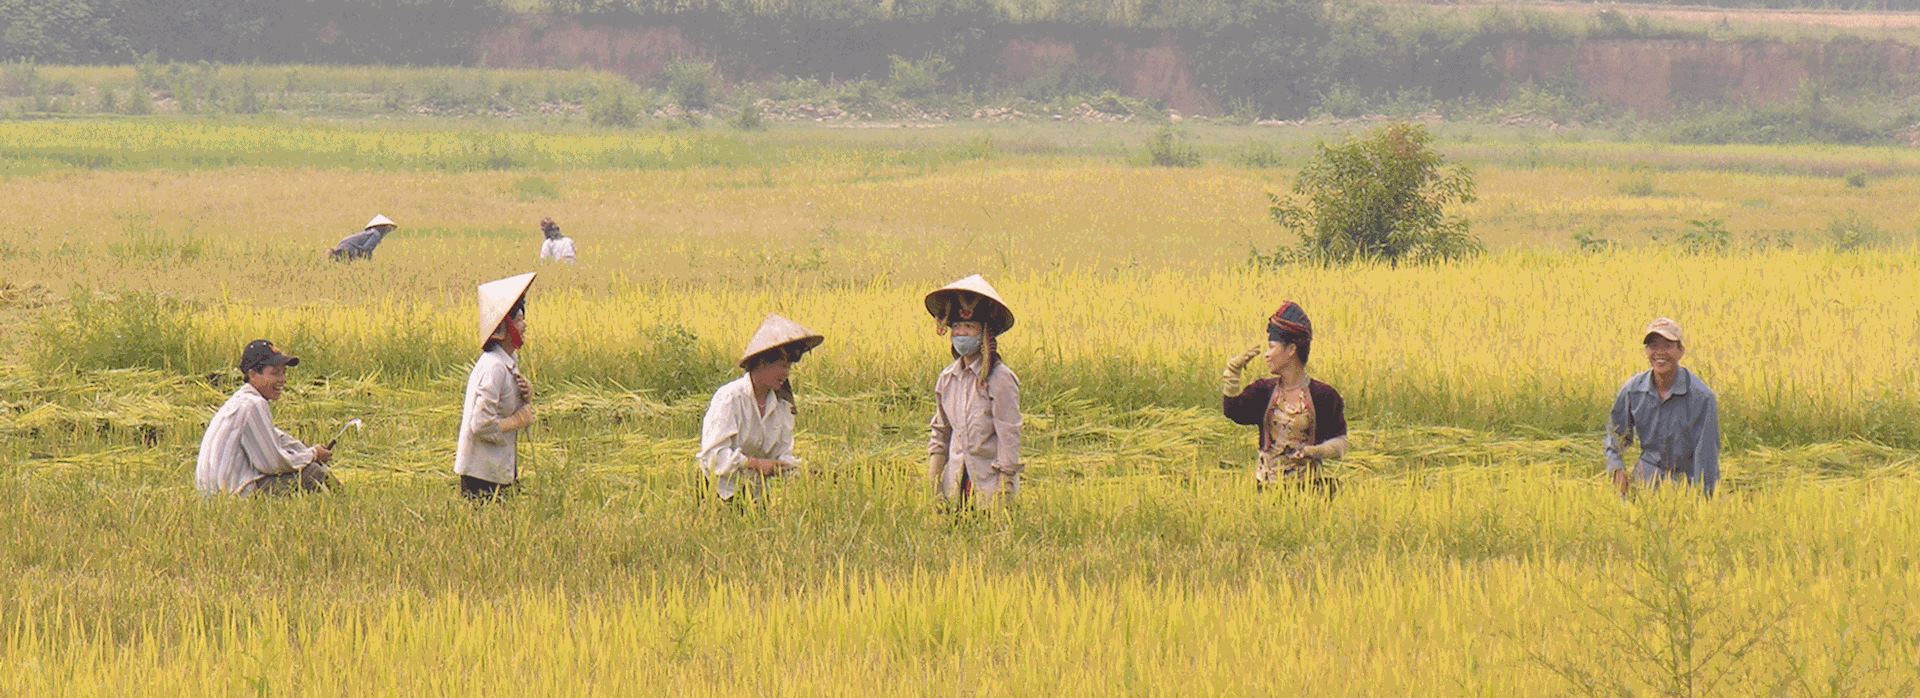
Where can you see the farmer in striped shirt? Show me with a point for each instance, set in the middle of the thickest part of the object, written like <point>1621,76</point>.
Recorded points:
<point>243,453</point>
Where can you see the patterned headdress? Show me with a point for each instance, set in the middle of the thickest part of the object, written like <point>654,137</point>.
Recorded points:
<point>1289,324</point>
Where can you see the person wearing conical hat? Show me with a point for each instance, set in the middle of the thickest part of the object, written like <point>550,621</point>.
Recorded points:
<point>747,435</point>
<point>557,247</point>
<point>973,442</point>
<point>499,400</point>
<point>360,245</point>
<point>1302,421</point>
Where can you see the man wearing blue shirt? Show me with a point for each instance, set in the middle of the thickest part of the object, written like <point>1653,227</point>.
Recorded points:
<point>1672,413</point>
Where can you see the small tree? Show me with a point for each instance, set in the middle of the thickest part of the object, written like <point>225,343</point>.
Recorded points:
<point>693,84</point>
<point>1382,196</point>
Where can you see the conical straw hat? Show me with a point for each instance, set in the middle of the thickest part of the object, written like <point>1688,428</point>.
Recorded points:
<point>496,298</point>
<point>940,300</point>
<point>777,331</point>
<point>380,220</point>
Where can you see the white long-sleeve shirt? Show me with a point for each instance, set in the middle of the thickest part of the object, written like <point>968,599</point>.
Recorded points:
<point>736,428</point>
<point>242,445</point>
<point>484,451</point>
<point>558,249</point>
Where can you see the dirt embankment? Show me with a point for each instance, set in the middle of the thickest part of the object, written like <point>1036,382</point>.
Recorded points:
<point>1648,76</point>
<point>1652,76</point>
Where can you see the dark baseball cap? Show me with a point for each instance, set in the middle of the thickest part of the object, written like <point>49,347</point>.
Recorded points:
<point>261,353</point>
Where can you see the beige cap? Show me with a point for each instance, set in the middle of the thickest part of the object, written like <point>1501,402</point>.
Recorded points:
<point>1664,327</point>
<point>380,221</point>
<point>497,298</point>
<point>776,331</point>
<point>940,303</point>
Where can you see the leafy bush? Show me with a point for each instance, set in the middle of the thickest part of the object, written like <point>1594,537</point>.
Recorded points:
<point>692,84</point>
<point>1379,197</point>
<point>910,79</point>
<point>1259,154</point>
<point>1707,236</point>
<point>1589,244</point>
<point>1808,120</point>
<point>1639,184</point>
<point>750,117</point>
<point>138,103</point>
<point>1857,179</point>
<point>1168,147</point>
<point>1853,232</point>
<point>613,110</point>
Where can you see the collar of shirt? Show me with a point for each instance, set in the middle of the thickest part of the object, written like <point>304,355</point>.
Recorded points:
<point>248,389</point>
<point>1644,382</point>
<point>966,366</point>
<point>762,408</point>
<point>768,405</point>
<point>504,357</point>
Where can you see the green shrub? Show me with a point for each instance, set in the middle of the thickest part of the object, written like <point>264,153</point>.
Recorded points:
<point>1587,243</point>
<point>613,110</point>
<point>910,79</point>
<point>1706,236</point>
<point>1853,232</point>
<point>692,84</point>
<point>1168,147</point>
<point>1857,179</point>
<point>1379,197</point>
<point>750,117</point>
<point>1259,154</point>
<point>139,103</point>
<point>1640,183</point>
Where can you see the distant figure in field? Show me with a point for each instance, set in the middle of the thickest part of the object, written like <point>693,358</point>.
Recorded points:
<point>360,245</point>
<point>558,247</point>
<point>1673,413</point>
<point>747,435</point>
<point>499,402</point>
<point>1302,421</point>
<point>243,453</point>
<point>973,442</point>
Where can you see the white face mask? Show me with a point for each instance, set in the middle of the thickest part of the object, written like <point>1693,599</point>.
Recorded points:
<point>966,345</point>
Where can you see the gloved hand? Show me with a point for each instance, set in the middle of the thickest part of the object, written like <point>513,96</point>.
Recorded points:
<point>1230,376</point>
<point>518,420</point>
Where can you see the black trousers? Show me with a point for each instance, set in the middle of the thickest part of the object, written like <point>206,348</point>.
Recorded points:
<point>476,488</point>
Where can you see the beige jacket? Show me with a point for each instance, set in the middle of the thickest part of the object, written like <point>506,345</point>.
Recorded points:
<point>483,450</point>
<point>975,430</point>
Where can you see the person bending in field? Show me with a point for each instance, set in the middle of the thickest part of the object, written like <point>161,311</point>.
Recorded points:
<point>1673,414</point>
<point>747,435</point>
<point>1302,421</point>
<point>499,400</point>
<point>243,453</point>
<point>360,245</point>
<point>973,443</point>
<point>557,247</point>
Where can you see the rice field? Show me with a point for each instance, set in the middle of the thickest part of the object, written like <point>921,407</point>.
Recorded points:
<point>1473,549</point>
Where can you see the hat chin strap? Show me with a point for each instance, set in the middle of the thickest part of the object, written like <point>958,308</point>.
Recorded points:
<point>513,339</point>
